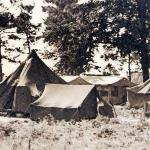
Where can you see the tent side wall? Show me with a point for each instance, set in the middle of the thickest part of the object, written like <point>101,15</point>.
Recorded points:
<point>22,99</point>
<point>137,100</point>
<point>121,96</point>
<point>37,112</point>
<point>6,98</point>
<point>105,92</point>
<point>88,108</point>
<point>7,88</point>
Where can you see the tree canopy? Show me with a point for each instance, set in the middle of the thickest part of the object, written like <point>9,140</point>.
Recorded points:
<point>6,22</point>
<point>24,25</point>
<point>11,27</point>
<point>133,18</point>
<point>76,29</point>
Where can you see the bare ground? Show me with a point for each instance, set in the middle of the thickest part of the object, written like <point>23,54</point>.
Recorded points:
<point>126,132</point>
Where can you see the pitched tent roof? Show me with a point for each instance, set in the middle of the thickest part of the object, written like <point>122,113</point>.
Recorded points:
<point>66,93</point>
<point>143,88</point>
<point>23,86</point>
<point>66,102</point>
<point>69,78</point>
<point>80,81</point>
<point>139,94</point>
<point>74,80</point>
<point>108,80</point>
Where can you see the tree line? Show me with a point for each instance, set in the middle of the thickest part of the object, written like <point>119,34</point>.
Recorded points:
<point>76,30</point>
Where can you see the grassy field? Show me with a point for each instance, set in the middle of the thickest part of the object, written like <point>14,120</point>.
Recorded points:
<point>126,132</point>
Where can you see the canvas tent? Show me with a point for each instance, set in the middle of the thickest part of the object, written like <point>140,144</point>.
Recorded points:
<point>110,88</point>
<point>26,84</point>
<point>138,95</point>
<point>66,102</point>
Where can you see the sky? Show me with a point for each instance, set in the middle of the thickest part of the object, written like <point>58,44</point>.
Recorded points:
<point>38,13</point>
<point>38,17</point>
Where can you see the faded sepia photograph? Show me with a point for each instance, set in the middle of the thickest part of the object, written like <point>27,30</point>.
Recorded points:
<point>74,74</point>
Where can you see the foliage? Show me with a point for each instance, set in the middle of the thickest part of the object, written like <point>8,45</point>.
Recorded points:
<point>5,19</point>
<point>6,22</point>
<point>24,26</point>
<point>129,25</point>
<point>74,30</point>
<point>16,28</point>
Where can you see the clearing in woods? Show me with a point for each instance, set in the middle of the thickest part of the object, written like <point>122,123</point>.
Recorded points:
<point>127,131</point>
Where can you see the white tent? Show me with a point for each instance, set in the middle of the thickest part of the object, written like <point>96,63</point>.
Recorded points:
<point>140,94</point>
<point>66,102</point>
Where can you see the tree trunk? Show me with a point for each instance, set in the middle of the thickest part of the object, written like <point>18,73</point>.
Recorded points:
<point>28,43</point>
<point>143,34</point>
<point>129,67</point>
<point>145,64</point>
<point>1,72</point>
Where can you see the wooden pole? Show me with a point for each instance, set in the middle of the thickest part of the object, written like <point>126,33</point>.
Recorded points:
<point>1,72</point>
<point>29,144</point>
<point>129,66</point>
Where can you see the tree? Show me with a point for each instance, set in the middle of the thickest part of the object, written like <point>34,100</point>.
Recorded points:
<point>77,29</point>
<point>74,30</point>
<point>132,17</point>
<point>12,28</point>
<point>25,27</point>
<point>6,22</point>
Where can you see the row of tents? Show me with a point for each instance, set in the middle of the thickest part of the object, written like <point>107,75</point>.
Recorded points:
<point>109,88</point>
<point>36,90</point>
